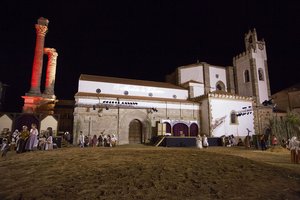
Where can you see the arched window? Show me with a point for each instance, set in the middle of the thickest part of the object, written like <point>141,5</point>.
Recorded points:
<point>220,86</point>
<point>260,74</point>
<point>233,118</point>
<point>246,76</point>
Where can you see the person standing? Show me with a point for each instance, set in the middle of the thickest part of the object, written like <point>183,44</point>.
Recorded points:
<point>81,140</point>
<point>263,142</point>
<point>199,141</point>
<point>14,138</point>
<point>247,141</point>
<point>205,141</point>
<point>94,141</point>
<point>100,140</point>
<point>32,141</point>
<point>67,137</point>
<point>22,139</point>
<point>4,147</point>
<point>49,141</point>
<point>274,141</point>
<point>294,147</point>
<point>113,140</point>
<point>109,141</point>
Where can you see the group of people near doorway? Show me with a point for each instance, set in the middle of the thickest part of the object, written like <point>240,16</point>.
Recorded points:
<point>28,140</point>
<point>102,140</point>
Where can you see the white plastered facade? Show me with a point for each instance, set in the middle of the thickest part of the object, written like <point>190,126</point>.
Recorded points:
<point>197,94</point>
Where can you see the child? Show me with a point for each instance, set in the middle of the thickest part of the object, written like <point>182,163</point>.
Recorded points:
<point>4,147</point>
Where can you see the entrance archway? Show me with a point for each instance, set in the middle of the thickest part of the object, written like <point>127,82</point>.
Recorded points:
<point>177,128</point>
<point>27,120</point>
<point>135,132</point>
<point>194,130</point>
<point>168,127</point>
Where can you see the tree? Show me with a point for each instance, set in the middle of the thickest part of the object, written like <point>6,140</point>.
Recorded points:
<point>286,127</point>
<point>292,123</point>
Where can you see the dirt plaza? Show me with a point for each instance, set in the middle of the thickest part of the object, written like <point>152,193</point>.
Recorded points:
<point>146,172</point>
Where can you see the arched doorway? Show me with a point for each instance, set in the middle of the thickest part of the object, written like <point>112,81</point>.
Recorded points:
<point>135,132</point>
<point>177,128</point>
<point>194,130</point>
<point>26,120</point>
<point>168,127</point>
<point>220,86</point>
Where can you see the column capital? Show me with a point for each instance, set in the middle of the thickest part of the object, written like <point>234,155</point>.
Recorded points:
<point>51,52</point>
<point>41,30</point>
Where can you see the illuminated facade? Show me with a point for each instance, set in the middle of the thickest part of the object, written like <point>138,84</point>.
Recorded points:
<point>196,98</point>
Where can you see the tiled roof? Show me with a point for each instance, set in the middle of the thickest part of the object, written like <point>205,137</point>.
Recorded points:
<point>223,95</point>
<point>107,79</point>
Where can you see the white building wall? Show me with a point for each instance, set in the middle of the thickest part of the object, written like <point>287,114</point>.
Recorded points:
<point>222,108</point>
<point>243,64</point>
<point>260,58</point>
<point>49,121</point>
<point>204,117</point>
<point>133,90</point>
<point>213,73</point>
<point>191,73</point>
<point>196,89</point>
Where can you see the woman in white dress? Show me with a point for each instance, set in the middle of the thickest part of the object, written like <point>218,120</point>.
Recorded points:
<point>113,140</point>
<point>199,141</point>
<point>32,141</point>
<point>205,142</point>
<point>49,142</point>
<point>81,140</point>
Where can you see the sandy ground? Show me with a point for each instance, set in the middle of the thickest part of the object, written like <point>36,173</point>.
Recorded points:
<point>143,172</point>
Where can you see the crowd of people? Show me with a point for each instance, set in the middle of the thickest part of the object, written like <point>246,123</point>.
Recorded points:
<point>102,140</point>
<point>30,140</point>
<point>27,140</point>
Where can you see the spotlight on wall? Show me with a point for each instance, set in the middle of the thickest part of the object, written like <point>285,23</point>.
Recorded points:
<point>267,102</point>
<point>154,109</point>
<point>100,112</point>
<point>98,90</point>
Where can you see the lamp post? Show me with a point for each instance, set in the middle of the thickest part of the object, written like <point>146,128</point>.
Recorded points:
<point>89,133</point>
<point>118,122</point>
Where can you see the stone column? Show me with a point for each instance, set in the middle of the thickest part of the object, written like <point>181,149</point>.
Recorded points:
<point>51,70</point>
<point>41,30</point>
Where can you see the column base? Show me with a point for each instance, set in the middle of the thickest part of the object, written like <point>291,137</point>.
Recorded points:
<point>38,104</point>
<point>34,92</point>
<point>31,103</point>
<point>49,96</point>
<point>49,93</point>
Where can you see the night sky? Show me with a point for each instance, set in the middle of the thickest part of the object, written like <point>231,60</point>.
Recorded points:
<point>142,39</point>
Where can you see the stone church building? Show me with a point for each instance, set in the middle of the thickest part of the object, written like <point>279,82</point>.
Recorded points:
<point>199,98</point>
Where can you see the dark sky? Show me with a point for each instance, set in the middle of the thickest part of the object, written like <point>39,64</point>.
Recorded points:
<point>143,39</point>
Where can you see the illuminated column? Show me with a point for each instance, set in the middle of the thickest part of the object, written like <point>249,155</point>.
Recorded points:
<point>41,30</point>
<point>51,69</point>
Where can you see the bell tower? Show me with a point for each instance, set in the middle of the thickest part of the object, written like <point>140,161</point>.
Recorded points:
<point>251,69</point>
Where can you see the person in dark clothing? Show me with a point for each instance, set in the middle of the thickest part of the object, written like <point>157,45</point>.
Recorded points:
<point>263,142</point>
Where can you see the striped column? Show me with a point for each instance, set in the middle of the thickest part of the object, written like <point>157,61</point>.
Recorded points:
<point>51,70</point>
<point>41,30</point>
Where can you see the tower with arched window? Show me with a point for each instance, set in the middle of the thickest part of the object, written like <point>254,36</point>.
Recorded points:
<point>251,69</point>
